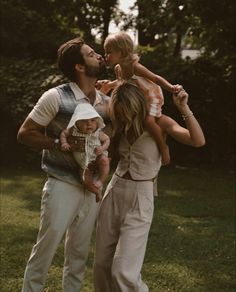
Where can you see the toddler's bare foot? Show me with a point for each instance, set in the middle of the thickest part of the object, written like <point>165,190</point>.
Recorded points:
<point>91,187</point>
<point>98,196</point>
<point>98,184</point>
<point>94,189</point>
<point>165,156</point>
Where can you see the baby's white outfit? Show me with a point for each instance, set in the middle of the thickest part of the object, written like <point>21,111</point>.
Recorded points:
<point>91,142</point>
<point>82,112</point>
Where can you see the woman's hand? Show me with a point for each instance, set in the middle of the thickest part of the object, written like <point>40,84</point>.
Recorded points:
<point>180,98</point>
<point>181,101</point>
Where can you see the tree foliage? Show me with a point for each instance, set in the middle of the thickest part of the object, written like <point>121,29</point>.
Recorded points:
<point>35,28</point>
<point>30,29</point>
<point>21,84</point>
<point>31,32</point>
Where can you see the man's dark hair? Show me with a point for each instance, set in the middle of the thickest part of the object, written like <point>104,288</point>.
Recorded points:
<point>68,55</point>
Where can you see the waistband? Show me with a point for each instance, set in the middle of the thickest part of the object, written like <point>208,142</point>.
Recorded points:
<point>128,177</point>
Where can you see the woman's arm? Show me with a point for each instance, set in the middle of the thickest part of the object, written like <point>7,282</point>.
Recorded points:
<point>191,135</point>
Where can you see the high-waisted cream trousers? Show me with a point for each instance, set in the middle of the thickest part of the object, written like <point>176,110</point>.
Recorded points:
<point>69,209</point>
<point>124,222</point>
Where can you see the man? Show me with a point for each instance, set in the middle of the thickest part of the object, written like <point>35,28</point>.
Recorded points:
<point>66,205</point>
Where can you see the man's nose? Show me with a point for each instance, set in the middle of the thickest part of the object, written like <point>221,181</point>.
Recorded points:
<point>99,57</point>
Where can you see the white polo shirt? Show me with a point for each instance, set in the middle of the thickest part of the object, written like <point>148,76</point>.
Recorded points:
<point>48,105</point>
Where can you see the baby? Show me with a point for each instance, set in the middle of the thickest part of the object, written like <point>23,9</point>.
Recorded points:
<point>85,127</point>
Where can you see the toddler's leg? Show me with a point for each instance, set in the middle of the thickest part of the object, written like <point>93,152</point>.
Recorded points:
<point>154,129</point>
<point>87,177</point>
<point>102,162</point>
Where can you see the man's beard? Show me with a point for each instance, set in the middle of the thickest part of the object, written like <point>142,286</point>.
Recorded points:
<point>96,72</point>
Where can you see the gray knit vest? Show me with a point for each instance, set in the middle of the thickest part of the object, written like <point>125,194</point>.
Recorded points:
<point>56,163</point>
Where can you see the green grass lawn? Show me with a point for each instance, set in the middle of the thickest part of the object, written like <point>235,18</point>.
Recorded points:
<point>191,244</point>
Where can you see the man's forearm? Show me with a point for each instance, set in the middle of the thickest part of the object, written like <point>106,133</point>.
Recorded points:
<point>35,139</point>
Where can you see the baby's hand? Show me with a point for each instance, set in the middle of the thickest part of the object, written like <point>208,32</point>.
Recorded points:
<point>176,88</point>
<point>65,147</point>
<point>98,151</point>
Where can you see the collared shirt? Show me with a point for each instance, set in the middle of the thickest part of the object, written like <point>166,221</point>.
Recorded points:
<point>48,105</point>
<point>53,111</point>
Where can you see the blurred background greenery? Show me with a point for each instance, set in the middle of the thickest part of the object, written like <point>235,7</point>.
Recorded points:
<point>31,32</point>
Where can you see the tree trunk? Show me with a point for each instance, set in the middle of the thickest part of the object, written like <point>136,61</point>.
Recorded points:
<point>177,48</point>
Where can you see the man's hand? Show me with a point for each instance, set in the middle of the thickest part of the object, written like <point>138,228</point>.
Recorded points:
<point>76,143</point>
<point>65,147</point>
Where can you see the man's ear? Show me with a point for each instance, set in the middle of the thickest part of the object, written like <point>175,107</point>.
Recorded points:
<point>79,68</point>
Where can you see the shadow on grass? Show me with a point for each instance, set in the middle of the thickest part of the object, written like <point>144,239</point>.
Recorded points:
<point>192,240</point>
<point>16,244</point>
<point>191,255</point>
<point>27,186</point>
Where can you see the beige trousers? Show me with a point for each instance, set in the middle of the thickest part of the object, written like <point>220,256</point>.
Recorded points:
<point>65,208</point>
<point>123,225</point>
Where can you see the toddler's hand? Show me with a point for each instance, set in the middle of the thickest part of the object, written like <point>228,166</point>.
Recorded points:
<point>176,88</point>
<point>99,84</point>
<point>103,86</point>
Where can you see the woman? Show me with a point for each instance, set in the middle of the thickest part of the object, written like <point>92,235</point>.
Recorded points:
<point>127,208</point>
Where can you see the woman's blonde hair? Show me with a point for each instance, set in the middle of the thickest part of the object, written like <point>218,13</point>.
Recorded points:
<point>122,42</point>
<point>128,109</point>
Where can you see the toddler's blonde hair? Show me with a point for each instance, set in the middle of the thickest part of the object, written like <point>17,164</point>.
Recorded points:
<point>122,42</point>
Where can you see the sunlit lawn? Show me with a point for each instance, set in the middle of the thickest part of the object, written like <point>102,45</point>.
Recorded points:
<point>191,245</point>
